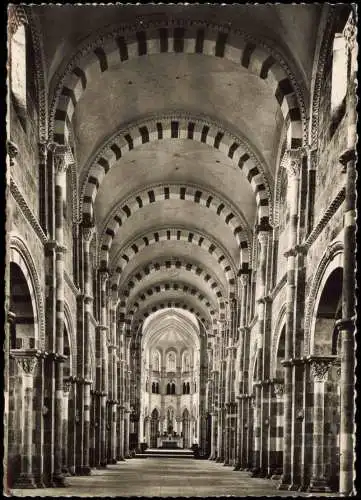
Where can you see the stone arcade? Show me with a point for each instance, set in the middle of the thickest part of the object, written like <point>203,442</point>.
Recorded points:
<point>180,240</point>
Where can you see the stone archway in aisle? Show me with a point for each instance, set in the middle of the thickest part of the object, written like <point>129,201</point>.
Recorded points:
<point>154,428</point>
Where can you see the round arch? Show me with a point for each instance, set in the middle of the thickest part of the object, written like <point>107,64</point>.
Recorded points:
<point>20,255</point>
<point>194,237</point>
<point>331,259</point>
<point>166,265</point>
<point>177,126</point>
<point>180,191</point>
<point>182,286</point>
<point>191,37</point>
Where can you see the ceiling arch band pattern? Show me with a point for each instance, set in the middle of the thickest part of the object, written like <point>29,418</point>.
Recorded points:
<point>143,313</point>
<point>198,130</point>
<point>174,192</point>
<point>173,234</point>
<point>161,288</point>
<point>120,46</point>
<point>163,266</point>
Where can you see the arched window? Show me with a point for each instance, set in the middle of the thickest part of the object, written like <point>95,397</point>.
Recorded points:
<point>188,388</point>
<point>171,362</point>
<point>184,388</point>
<point>168,388</point>
<point>153,388</point>
<point>157,388</point>
<point>186,362</point>
<point>173,388</point>
<point>155,362</point>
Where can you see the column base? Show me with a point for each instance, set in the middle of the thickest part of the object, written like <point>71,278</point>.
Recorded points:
<point>237,467</point>
<point>276,477</point>
<point>112,461</point>
<point>39,481</point>
<point>127,456</point>
<point>293,487</point>
<point>58,481</point>
<point>103,463</point>
<point>85,471</point>
<point>284,485</point>
<point>66,472</point>
<point>256,472</point>
<point>72,471</point>
<point>25,481</point>
<point>120,459</point>
<point>219,460</point>
<point>319,486</point>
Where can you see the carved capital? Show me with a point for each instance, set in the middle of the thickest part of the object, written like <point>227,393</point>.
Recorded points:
<point>319,369</point>
<point>67,386</point>
<point>104,276</point>
<point>27,364</point>
<point>43,151</point>
<point>292,162</point>
<point>263,238</point>
<point>243,280</point>
<point>88,232</point>
<point>16,18</point>
<point>13,151</point>
<point>349,32</point>
<point>62,157</point>
<point>278,388</point>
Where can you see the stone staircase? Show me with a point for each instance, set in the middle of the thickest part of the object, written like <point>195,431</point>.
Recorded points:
<point>165,453</point>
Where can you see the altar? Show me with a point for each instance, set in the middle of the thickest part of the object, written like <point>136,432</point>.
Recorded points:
<point>170,442</point>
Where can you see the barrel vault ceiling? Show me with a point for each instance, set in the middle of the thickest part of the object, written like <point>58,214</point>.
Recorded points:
<point>175,208</point>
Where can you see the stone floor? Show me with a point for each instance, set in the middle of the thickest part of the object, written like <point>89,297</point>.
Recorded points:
<point>163,477</point>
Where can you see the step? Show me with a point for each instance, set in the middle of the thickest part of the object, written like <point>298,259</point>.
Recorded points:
<point>166,453</point>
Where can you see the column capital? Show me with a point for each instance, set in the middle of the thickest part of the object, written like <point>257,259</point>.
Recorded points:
<point>16,18</point>
<point>349,31</point>
<point>26,359</point>
<point>262,237</point>
<point>320,367</point>
<point>88,232</point>
<point>63,156</point>
<point>104,275</point>
<point>13,151</point>
<point>43,151</point>
<point>243,279</point>
<point>292,162</point>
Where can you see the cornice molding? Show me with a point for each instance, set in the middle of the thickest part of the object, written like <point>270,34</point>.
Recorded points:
<point>101,37</point>
<point>26,210</point>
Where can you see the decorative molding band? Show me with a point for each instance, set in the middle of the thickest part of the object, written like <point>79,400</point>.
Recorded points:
<point>104,38</point>
<point>278,287</point>
<point>325,218</point>
<point>29,215</point>
<point>71,284</point>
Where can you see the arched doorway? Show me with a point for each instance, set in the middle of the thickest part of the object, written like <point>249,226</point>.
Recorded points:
<point>22,371</point>
<point>154,428</point>
<point>325,372</point>
<point>186,429</point>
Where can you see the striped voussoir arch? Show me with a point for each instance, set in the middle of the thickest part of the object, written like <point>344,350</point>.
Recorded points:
<point>175,192</point>
<point>144,312</point>
<point>126,254</point>
<point>169,127</point>
<point>165,265</point>
<point>129,308</point>
<point>108,51</point>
